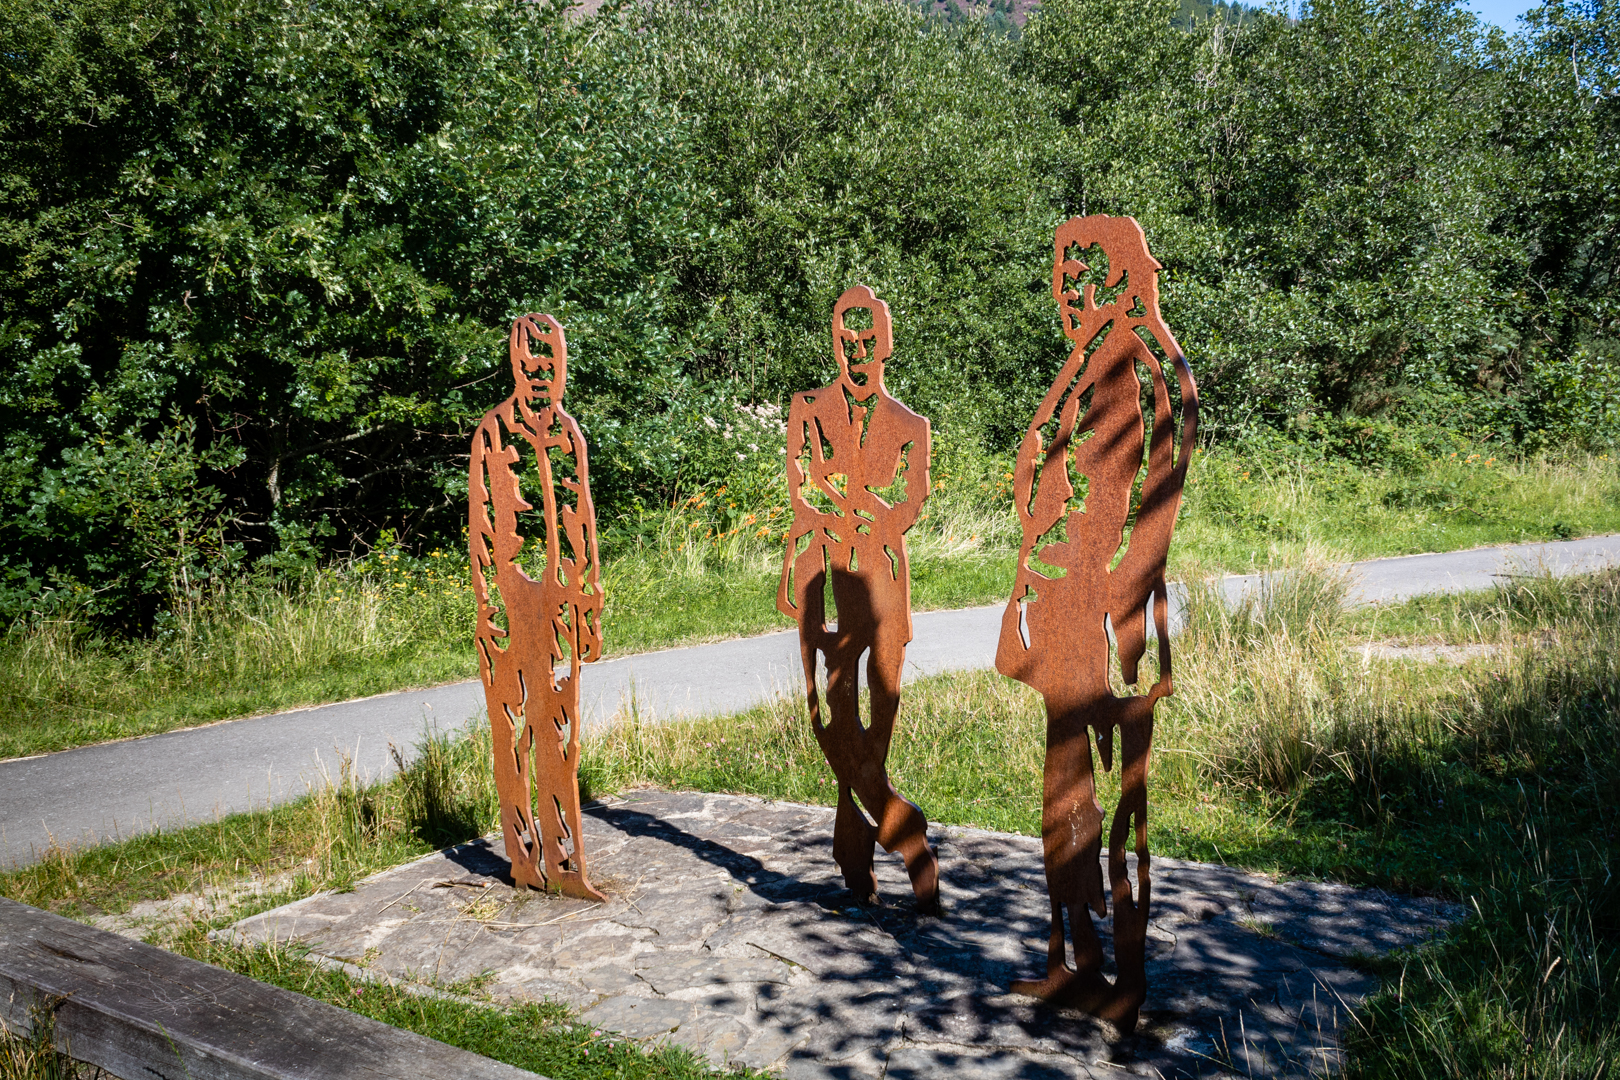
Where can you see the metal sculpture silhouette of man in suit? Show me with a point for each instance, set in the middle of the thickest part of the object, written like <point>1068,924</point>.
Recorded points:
<point>553,616</point>
<point>857,466</point>
<point>1081,580</point>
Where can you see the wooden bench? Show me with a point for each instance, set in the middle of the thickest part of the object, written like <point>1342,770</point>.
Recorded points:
<point>145,1014</point>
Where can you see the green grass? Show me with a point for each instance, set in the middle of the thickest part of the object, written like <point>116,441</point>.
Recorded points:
<point>541,1037</point>
<point>174,887</point>
<point>1248,512</point>
<point>708,571</point>
<point>1493,782</point>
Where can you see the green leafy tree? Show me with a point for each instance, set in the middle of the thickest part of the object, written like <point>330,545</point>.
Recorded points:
<point>850,143</point>
<point>302,231</point>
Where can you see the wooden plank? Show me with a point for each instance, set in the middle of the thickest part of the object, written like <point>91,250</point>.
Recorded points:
<point>140,1012</point>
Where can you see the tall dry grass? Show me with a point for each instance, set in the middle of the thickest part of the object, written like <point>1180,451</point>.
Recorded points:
<point>248,645</point>
<point>33,1055</point>
<point>1286,747</point>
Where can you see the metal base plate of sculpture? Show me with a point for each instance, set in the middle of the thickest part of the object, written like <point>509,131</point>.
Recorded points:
<point>1097,515</point>
<point>551,608</point>
<point>857,464</point>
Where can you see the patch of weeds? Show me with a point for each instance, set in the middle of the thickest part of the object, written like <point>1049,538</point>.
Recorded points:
<point>34,1055</point>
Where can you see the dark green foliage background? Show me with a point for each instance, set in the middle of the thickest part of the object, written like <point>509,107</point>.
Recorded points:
<point>257,259</point>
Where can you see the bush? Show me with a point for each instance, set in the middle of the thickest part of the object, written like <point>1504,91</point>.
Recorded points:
<point>257,261</point>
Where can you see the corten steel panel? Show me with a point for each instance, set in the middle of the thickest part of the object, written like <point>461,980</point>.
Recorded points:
<point>534,713</point>
<point>857,470</point>
<point>1082,480</point>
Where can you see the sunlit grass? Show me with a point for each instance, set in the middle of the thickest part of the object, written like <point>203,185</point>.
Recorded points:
<point>1493,782</point>
<point>708,570</point>
<point>1245,512</point>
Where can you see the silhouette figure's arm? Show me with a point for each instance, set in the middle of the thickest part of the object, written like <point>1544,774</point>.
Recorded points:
<point>806,518</point>
<point>1161,498</point>
<point>491,462</point>
<point>914,463</point>
<point>578,523</point>
<point>1041,492</point>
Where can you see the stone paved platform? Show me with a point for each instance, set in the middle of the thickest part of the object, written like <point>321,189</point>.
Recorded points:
<point>729,931</point>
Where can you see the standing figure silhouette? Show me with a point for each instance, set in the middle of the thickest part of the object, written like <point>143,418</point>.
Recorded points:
<point>1082,482</point>
<point>857,467</point>
<point>552,616</point>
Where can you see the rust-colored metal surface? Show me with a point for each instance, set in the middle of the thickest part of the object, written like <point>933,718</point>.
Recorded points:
<point>857,468</point>
<point>552,616</point>
<point>1097,516</point>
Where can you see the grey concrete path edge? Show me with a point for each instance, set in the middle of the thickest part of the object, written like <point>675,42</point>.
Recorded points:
<point>121,789</point>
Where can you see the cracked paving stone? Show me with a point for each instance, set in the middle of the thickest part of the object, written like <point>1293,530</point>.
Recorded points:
<point>638,1017</point>
<point>805,1064</point>
<point>582,952</point>
<point>667,973</point>
<point>966,1063</point>
<point>717,1037</point>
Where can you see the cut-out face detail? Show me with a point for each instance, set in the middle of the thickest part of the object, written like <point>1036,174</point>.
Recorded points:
<point>1136,293</point>
<point>862,337</point>
<point>539,358</point>
<point>1066,273</point>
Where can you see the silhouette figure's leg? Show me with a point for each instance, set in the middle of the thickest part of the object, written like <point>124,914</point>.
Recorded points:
<point>557,816</point>
<point>853,835</point>
<point>901,824</point>
<point>522,837</point>
<point>1071,836</point>
<point>1130,912</point>
<point>841,740</point>
<point>509,731</point>
<point>853,840</point>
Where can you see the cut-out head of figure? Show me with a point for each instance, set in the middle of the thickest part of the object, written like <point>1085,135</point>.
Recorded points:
<point>1128,261</point>
<point>862,339</point>
<point>539,359</point>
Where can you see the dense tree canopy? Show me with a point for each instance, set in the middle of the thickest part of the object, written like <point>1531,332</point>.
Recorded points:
<point>257,258</point>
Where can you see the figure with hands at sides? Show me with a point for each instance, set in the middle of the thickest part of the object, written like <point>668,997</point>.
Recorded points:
<point>857,468</point>
<point>1097,515</point>
<point>552,608</point>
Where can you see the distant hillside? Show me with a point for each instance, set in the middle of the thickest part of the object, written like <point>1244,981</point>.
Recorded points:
<point>1009,15</point>
<point>1012,15</point>
<point>1201,10</point>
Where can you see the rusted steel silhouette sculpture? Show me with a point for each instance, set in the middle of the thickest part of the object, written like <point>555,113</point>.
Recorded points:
<point>857,467</point>
<point>1081,580</point>
<point>555,616</point>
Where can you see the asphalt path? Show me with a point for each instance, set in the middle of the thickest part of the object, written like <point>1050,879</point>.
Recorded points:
<point>123,788</point>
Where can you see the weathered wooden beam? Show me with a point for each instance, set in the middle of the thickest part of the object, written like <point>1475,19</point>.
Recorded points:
<point>140,1012</point>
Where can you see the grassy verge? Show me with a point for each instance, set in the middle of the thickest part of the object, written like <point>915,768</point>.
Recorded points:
<point>1493,781</point>
<point>1247,512</point>
<point>172,888</point>
<point>708,571</point>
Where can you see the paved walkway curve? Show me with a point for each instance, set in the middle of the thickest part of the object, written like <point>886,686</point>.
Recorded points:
<point>123,788</point>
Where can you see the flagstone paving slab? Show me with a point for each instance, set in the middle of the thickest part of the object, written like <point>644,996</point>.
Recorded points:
<point>728,930</point>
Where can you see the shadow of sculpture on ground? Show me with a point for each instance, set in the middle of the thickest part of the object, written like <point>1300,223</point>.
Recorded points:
<point>728,930</point>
